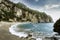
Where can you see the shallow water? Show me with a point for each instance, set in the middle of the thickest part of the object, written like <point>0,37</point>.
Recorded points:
<point>44,27</point>
<point>38,30</point>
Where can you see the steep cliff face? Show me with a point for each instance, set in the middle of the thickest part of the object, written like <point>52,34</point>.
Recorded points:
<point>12,12</point>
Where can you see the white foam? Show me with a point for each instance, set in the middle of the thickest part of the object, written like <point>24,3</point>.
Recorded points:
<point>38,38</point>
<point>23,23</point>
<point>13,31</point>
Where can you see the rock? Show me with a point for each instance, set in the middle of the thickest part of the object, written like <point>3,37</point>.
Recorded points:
<point>32,39</point>
<point>57,26</point>
<point>21,13</point>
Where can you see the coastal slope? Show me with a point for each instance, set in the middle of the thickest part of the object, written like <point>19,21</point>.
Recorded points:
<point>18,12</point>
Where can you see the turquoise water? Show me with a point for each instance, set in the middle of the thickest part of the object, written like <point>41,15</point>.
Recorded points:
<point>39,29</point>
<point>26,26</point>
<point>43,27</point>
<point>46,28</point>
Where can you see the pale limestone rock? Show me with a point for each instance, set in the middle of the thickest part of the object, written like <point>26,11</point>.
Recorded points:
<point>30,16</point>
<point>11,20</point>
<point>34,20</point>
<point>19,12</point>
<point>0,1</point>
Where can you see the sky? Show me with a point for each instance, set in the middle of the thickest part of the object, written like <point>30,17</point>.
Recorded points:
<point>50,7</point>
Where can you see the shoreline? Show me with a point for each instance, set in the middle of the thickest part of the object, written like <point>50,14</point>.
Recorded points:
<point>6,35</point>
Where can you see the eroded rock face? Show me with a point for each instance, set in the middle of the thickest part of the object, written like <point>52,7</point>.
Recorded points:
<point>57,26</point>
<point>12,12</point>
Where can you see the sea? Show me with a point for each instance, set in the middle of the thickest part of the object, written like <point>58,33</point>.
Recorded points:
<point>37,30</point>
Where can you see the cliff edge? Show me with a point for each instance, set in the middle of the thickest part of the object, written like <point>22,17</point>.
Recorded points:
<point>13,12</point>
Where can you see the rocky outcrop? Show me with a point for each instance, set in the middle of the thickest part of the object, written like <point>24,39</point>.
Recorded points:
<point>57,26</point>
<point>12,12</point>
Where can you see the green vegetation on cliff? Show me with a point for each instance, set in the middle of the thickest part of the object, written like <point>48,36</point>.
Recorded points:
<point>13,12</point>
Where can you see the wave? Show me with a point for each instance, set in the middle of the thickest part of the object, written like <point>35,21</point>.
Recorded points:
<point>21,32</point>
<point>25,28</point>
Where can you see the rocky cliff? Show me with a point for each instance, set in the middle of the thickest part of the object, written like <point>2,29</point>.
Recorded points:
<point>13,12</point>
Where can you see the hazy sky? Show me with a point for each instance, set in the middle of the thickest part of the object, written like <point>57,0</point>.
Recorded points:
<point>51,7</point>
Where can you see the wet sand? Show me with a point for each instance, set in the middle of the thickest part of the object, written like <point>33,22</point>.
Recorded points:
<point>6,35</point>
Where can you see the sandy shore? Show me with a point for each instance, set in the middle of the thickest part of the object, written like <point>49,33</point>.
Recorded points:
<point>6,35</point>
<point>4,31</point>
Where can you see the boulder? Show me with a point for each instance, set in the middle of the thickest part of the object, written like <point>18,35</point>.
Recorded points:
<point>57,26</point>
